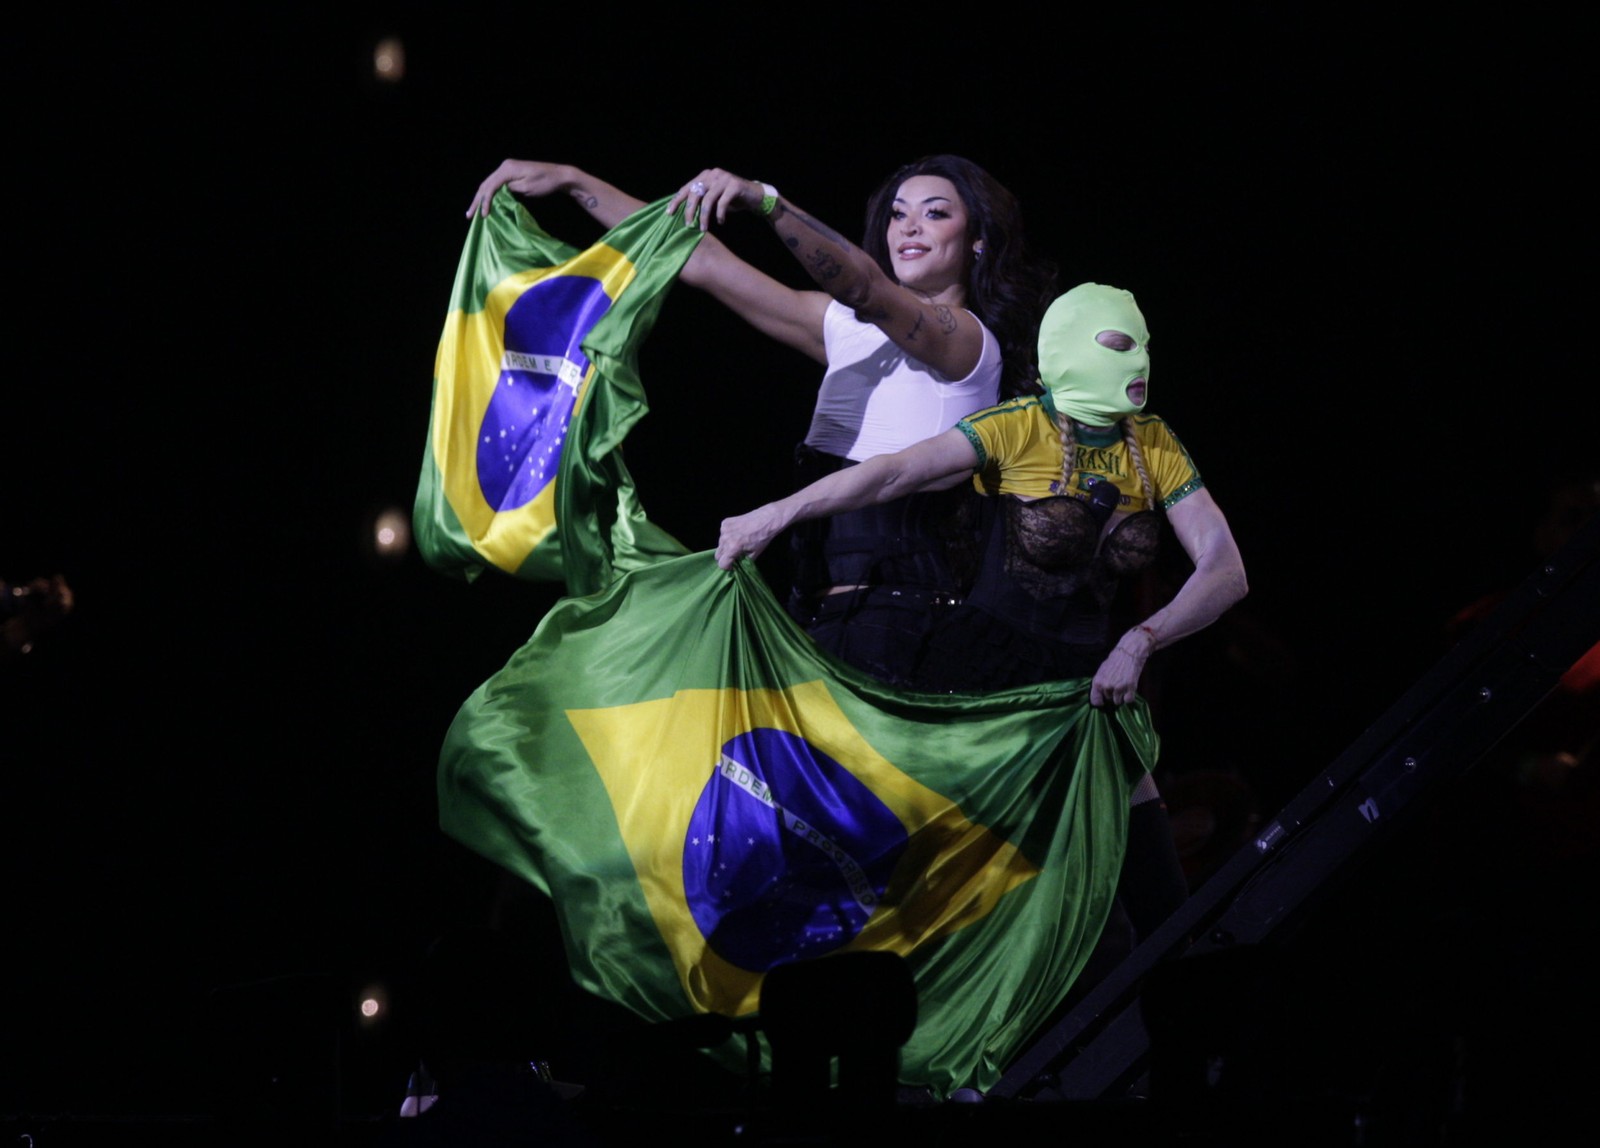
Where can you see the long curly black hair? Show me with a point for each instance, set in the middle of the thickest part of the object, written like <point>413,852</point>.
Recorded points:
<point>1009,287</point>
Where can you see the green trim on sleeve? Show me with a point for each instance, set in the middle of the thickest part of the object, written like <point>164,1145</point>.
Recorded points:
<point>1182,493</point>
<point>977,443</point>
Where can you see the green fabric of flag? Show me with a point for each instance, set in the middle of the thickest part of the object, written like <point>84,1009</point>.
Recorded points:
<point>705,795</point>
<point>536,384</point>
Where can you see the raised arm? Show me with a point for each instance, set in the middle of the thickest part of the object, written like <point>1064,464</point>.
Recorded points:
<point>607,204</point>
<point>931,329</point>
<point>1216,583</point>
<point>932,464</point>
<point>791,317</point>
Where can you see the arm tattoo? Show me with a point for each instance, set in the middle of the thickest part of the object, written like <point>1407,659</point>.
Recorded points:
<point>946,317</point>
<point>824,267</point>
<point>822,229</point>
<point>916,329</point>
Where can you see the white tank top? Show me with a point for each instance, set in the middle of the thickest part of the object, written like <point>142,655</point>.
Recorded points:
<point>876,399</point>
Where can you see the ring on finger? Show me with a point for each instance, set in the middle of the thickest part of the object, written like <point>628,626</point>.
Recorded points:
<point>698,187</point>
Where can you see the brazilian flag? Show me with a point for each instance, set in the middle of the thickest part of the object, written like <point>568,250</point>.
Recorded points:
<point>705,795</point>
<point>535,386</point>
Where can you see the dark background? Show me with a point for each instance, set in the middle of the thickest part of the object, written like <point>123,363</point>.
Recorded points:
<point>231,250</point>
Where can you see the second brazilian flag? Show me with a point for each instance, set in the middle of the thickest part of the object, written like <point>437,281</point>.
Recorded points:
<point>705,795</point>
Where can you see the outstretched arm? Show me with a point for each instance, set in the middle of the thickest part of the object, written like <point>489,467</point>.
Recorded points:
<point>607,204</point>
<point>932,464</point>
<point>793,318</point>
<point>943,336</point>
<point>1216,583</point>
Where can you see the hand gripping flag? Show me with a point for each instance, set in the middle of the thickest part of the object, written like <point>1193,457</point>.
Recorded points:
<point>535,387</point>
<point>705,795</point>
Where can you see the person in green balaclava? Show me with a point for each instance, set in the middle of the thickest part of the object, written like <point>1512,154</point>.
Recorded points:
<point>1080,477</point>
<point>1094,355</point>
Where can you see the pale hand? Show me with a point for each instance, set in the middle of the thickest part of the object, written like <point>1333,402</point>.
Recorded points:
<point>1116,682</point>
<point>523,176</point>
<point>714,192</point>
<point>748,535</point>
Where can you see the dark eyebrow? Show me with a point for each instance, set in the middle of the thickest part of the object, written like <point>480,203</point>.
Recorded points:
<point>928,199</point>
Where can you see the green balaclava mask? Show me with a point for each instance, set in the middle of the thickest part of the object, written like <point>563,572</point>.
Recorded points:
<point>1087,380</point>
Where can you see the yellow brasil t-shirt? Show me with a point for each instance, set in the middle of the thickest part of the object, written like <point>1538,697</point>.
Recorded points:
<point>1019,452</point>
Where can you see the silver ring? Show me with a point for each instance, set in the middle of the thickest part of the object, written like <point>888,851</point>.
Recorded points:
<point>698,187</point>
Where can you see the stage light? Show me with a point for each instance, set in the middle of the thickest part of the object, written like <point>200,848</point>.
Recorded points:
<point>389,60</point>
<point>391,533</point>
<point>372,1004</point>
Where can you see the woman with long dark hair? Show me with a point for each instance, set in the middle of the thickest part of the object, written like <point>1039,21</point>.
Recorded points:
<point>932,318</point>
